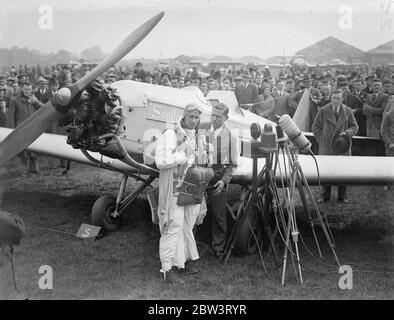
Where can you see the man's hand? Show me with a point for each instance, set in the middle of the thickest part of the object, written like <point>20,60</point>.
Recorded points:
<point>218,187</point>
<point>391,145</point>
<point>343,133</point>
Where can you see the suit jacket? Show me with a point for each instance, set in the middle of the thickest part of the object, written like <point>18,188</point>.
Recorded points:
<point>373,110</point>
<point>247,94</point>
<point>368,90</point>
<point>362,95</point>
<point>326,127</point>
<point>42,96</point>
<point>21,108</point>
<point>225,152</point>
<point>260,88</point>
<point>276,93</point>
<point>356,104</point>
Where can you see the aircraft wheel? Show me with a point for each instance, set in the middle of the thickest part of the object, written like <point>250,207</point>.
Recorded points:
<point>245,242</point>
<point>101,213</point>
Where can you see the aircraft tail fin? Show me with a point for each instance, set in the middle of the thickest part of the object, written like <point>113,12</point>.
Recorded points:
<point>301,116</point>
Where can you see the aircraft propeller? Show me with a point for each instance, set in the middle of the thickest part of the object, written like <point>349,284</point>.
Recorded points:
<point>31,128</point>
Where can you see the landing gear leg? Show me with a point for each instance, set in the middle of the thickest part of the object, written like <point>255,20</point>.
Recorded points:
<point>107,211</point>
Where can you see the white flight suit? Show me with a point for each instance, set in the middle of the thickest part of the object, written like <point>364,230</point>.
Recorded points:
<point>177,243</point>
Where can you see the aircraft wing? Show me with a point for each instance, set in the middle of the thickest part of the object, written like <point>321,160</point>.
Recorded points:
<point>333,169</point>
<point>349,170</point>
<point>55,145</point>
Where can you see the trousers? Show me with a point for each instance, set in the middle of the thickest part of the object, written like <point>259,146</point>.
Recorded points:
<point>177,242</point>
<point>217,206</point>
<point>327,192</point>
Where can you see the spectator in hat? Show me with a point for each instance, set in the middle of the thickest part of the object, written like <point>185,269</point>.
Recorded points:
<point>368,87</point>
<point>21,108</point>
<point>373,109</point>
<point>42,90</point>
<point>237,81</point>
<point>247,93</point>
<point>139,71</point>
<point>165,79</point>
<point>332,121</point>
<point>65,76</point>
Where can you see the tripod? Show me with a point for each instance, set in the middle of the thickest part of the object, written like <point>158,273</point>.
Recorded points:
<point>298,181</point>
<point>259,197</point>
<point>263,196</point>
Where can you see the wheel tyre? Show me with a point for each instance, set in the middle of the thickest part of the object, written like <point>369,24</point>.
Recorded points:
<point>245,242</point>
<point>101,214</point>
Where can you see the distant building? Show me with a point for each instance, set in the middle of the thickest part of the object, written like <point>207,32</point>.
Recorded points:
<point>225,64</point>
<point>331,48</point>
<point>383,54</point>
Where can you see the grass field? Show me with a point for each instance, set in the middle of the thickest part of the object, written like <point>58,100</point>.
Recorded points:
<point>125,264</point>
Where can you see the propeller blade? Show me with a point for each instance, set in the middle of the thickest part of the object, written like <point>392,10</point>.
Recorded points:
<point>30,129</point>
<point>121,50</point>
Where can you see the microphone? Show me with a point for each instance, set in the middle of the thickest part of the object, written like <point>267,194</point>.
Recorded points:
<point>255,130</point>
<point>294,133</point>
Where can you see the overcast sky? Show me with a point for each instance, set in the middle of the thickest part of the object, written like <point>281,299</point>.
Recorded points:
<point>196,27</point>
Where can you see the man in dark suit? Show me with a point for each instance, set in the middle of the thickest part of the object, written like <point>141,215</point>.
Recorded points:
<point>22,107</point>
<point>247,92</point>
<point>368,87</point>
<point>332,121</point>
<point>279,90</point>
<point>350,100</point>
<point>42,90</point>
<point>360,117</point>
<point>373,109</point>
<point>225,158</point>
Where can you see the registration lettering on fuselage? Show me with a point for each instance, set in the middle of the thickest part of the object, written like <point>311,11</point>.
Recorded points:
<point>163,112</point>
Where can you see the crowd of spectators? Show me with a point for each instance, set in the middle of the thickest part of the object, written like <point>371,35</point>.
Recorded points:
<point>252,85</point>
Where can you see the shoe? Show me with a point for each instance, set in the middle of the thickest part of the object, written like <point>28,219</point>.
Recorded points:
<point>322,200</point>
<point>387,188</point>
<point>346,201</point>
<point>190,267</point>
<point>171,277</point>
